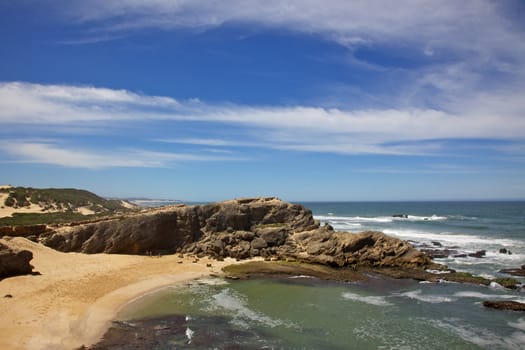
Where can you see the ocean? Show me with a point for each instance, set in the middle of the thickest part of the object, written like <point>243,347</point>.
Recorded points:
<point>305,313</point>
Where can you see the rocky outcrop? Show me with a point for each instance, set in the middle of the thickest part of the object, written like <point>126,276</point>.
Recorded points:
<point>14,262</point>
<point>241,228</point>
<point>173,229</point>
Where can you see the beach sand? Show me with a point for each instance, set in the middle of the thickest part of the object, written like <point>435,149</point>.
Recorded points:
<point>77,295</point>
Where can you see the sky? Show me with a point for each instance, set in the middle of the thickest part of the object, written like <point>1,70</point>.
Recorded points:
<point>329,100</point>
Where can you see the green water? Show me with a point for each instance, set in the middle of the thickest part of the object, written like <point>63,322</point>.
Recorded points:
<point>304,313</point>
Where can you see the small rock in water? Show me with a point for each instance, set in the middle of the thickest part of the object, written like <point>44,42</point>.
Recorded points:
<point>478,254</point>
<point>403,216</point>
<point>505,251</point>
<point>437,244</point>
<point>504,305</point>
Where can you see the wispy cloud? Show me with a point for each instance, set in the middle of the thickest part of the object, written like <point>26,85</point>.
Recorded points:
<point>310,129</point>
<point>62,155</point>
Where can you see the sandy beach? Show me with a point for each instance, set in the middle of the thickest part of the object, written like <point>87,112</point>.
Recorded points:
<point>76,296</point>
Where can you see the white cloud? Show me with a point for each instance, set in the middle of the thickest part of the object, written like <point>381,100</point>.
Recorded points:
<point>55,154</point>
<point>314,129</point>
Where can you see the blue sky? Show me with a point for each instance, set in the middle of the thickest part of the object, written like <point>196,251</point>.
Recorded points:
<point>305,100</point>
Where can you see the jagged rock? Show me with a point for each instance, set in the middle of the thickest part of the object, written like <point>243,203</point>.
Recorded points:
<point>504,305</point>
<point>14,262</point>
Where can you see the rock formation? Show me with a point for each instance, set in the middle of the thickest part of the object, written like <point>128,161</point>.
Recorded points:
<point>242,228</point>
<point>14,262</point>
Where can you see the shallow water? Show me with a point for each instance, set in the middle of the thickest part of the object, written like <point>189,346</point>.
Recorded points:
<point>300,313</point>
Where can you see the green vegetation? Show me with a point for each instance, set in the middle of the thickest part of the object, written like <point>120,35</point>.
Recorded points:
<point>44,218</point>
<point>58,205</point>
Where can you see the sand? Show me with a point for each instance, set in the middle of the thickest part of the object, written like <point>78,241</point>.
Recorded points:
<point>6,211</point>
<point>77,295</point>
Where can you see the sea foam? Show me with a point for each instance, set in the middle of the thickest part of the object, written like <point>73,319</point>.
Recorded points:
<point>427,298</point>
<point>372,300</point>
<point>230,301</point>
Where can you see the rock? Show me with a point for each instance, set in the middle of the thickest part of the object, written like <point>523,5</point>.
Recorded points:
<point>504,305</point>
<point>23,230</point>
<point>460,256</point>
<point>403,216</point>
<point>239,229</point>
<point>503,251</point>
<point>437,244</point>
<point>258,243</point>
<point>245,235</point>
<point>273,236</point>
<point>479,254</point>
<point>438,253</point>
<point>14,262</point>
<point>514,272</point>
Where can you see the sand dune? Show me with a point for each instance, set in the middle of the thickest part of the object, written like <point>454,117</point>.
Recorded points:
<point>76,295</point>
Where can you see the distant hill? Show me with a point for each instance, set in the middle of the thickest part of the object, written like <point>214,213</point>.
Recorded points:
<point>26,205</point>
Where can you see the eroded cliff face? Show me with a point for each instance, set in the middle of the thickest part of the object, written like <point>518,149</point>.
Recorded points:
<point>241,228</point>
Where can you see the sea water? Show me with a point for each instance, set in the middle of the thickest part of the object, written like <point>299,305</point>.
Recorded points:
<point>305,313</point>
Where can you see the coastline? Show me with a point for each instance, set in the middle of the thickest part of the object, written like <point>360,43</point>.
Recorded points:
<point>74,300</point>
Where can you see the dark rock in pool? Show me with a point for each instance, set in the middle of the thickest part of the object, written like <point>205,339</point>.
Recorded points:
<point>437,244</point>
<point>479,254</point>
<point>505,251</point>
<point>504,305</point>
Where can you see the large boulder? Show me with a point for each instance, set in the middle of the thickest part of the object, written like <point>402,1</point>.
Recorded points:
<point>14,262</point>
